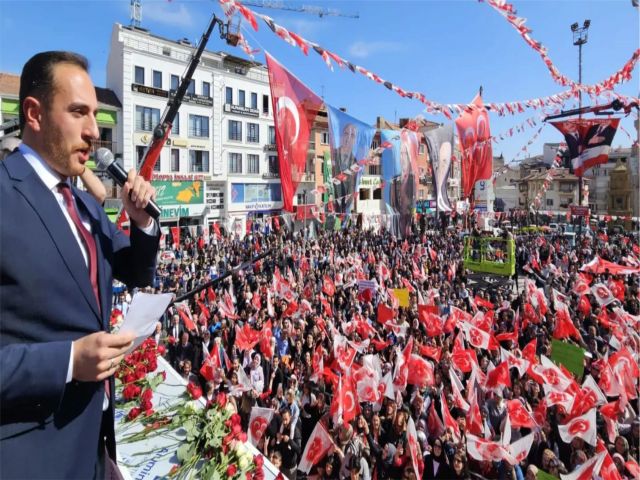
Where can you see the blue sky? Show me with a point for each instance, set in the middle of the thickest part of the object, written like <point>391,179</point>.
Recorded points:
<point>444,49</point>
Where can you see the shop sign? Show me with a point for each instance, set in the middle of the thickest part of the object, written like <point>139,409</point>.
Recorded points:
<point>178,193</point>
<point>156,92</point>
<point>240,110</point>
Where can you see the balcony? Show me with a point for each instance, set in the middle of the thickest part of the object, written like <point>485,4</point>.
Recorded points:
<point>270,175</point>
<point>270,147</point>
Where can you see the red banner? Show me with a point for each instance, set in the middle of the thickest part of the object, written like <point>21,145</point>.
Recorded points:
<point>295,108</point>
<point>475,145</point>
<point>175,233</point>
<point>588,140</point>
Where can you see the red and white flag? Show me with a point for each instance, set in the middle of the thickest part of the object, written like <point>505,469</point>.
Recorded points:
<point>498,378</point>
<point>327,286</point>
<point>295,108</point>
<point>587,470</point>
<point>520,416</point>
<point>564,326</point>
<point>475,424</point>
<point>583,427</point>
<point>414,449</point>
<point>456,390</point>
<point>420,372</point>
<point>558,398</point>
<point>449,421</point>
<point>514,362</point>
<point>487,451</point>
<point>227,308</point>
<point>603,295</point>
<point>434,423</point>
<point>317,447</point>
<point>479,338</point>
<point>519,449</point>
<point>258,423</point>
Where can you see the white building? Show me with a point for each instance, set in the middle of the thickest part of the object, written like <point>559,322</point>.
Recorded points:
<point>217,165</point>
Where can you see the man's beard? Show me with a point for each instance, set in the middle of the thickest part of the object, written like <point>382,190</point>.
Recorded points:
<point>55,148</point>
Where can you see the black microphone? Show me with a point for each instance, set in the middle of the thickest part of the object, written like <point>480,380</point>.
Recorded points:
<point>106,161</point>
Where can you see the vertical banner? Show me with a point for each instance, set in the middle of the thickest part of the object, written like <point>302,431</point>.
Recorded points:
<point>588,141</point>
<point>294,109</point>
<point>350,140</point>
<point>326,176</point>
<point>175,233</point>
<point>400,175</point>
<point>475,145</point>
<point>440,147</point>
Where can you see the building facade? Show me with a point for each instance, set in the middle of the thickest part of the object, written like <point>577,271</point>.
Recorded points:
<point>219,163</point>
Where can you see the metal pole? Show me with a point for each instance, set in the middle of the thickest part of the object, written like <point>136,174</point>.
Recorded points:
<point>580,117</point>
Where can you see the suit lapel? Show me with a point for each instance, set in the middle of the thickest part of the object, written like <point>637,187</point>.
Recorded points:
<point>46,207</point>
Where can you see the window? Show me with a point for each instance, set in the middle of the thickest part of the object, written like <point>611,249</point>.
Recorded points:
<point>156,166</point>
<point>253,132</point>
<point>549,202</point>
<point>175,160</point>
<point>191,89</point>
<point>272,135</point>
<point>374,169</point>
<point>198,161</point>
<point>198,126</point>
<point>206,89</point>
<point>254,100</point>
<point>265,104</point>
<point>421,149</point>
<point>274,168</point>
<point>324,138</point>
<point>235,163</point>
<point>139,75</point>
<point>175,128</point>
<point>147,118</point>
<point>235,130</point>
<point>241,98</point>
<point>364,194</point>
<point>301,199</point>
<point>253,163</point>
<point>229,96</point>
<point>157,79</point>
<point>175,82</point>
<point>139,155</point>
<point>377,194</point>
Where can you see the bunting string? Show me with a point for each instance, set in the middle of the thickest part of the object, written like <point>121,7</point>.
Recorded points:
<point>231,7</point>
<point>509,13</point>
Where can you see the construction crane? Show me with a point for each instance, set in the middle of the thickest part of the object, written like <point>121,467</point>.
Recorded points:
<point>277,5</point>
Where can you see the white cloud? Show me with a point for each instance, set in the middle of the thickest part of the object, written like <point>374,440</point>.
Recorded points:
<point>361,49</point>
<point>168,13</point>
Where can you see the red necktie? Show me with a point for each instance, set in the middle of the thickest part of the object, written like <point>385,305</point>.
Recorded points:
<point>86,236</point>
<point>90,245</point>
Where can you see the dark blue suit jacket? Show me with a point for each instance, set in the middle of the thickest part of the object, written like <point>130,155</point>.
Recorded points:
<point>48,428</point>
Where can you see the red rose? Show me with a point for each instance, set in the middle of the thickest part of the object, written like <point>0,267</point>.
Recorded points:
<point>129,378</point>
<point>236,429</point>
<point>164,375</point>
<point>147,394</point>
<point>242,437</point>
<point>258,460</point>
<point>146,405</point>
<point>221,399</point>
<point>162,350</point>
<point>131,392</point>
<point>149,412</point>
<point>194,390</point>
<point>235,419</point>
<point>133,413</point>
<point>171,340</point>
<point>231,470</point>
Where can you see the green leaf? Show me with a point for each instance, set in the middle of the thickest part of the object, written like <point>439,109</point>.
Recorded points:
<point>184,452</point>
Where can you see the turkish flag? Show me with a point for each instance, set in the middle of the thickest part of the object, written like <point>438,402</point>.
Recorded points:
<point>608,471</point>
<point>431,352</point>
<point>617,288</point>
<point>435,427</point>
<point>583,427</point>
<point>481,302</point>
<point>632,466</point>
<point>486,450</point>
<point>520,416</point>
<point>529,351</point>
<point>317,364</point>
<point>317,447</point>
<point>295,108</point>
<point>342,352</point>
<point>475,425</point>
<point>560,399</point>
<point>584,305</point>
<point>564,326</point>
<point>581,285</point>
<point>431,321</point>
<point>464,360</point>
<point>265,339</point>
<point>185,316</point>
<point>498,378</point>
<point>258,423</point>
<point>349,399</point>
<point>385,313</point>
<point>216,231</point>
<point>246,337</point>
<point>227,308</point>
<point>175,234</point>
<point>420,372</point>
<point>475,145</point>
<point>514,362</point>
<point>456,390</point>
<point>327,286</point>
<point>211,295</point>
<point>449,421</point>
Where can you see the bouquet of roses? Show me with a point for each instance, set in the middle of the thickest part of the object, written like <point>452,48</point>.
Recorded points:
<point>133,375</point>
<point>211,442</point>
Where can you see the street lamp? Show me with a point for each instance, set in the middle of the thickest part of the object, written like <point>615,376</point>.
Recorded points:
<point>580,37</point>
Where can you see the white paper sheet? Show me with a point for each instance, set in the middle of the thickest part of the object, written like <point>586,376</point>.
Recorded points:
<point>143,314</point>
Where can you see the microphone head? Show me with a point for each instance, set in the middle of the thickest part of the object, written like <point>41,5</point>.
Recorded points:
<point>104,158</point>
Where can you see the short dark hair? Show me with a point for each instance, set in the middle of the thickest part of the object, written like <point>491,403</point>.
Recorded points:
<point>36,79</point>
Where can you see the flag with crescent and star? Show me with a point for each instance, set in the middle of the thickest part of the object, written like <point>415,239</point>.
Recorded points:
<point>475,145</point>
<point>295,108</point>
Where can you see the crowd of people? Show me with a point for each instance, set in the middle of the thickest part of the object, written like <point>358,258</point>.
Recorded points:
<point>304,325</point>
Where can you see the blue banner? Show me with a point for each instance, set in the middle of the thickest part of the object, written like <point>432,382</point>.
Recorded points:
<point>350,141</point>
<point>400,175</point>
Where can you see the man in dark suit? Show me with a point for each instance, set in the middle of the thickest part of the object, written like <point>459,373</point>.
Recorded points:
<point>58,257</point>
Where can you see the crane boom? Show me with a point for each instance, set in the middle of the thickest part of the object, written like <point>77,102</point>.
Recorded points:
<point>278,5</point>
